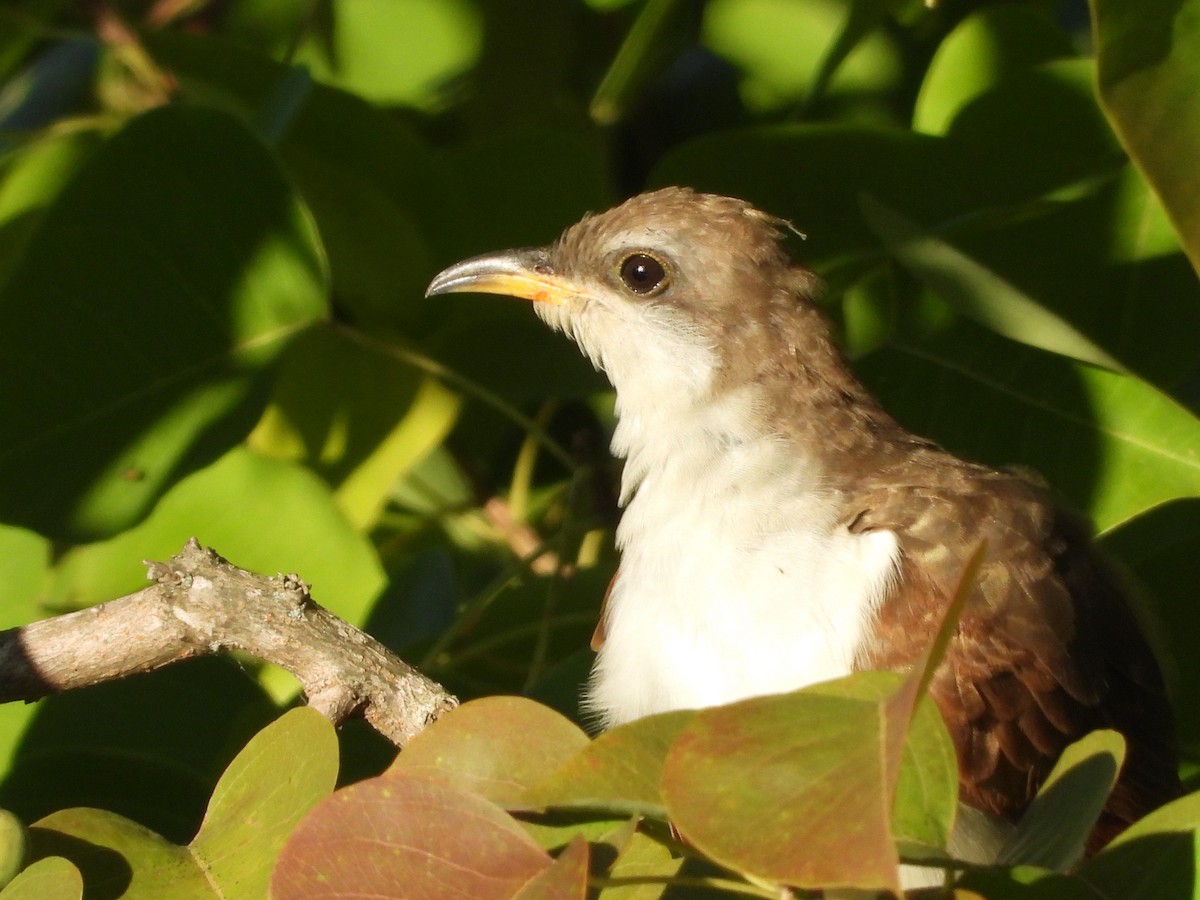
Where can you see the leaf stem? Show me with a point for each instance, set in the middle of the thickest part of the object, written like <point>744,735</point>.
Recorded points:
<point>473,389</point>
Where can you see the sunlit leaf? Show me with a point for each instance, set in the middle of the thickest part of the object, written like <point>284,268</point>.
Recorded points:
<point>786,47</point>
<point>268,515</point>
<point>619,770</point>
<point>495,747</point>
<point>14,844</point>
<point>356,415</point>
<point>118,853</point>
<point>396,53</point>
<point>406,836</point>
<point>53,877</point>
<point>271,784</point>
<point>26,558</point>
<point>280,775</point>
<point>984,48</point>
<point>977,292</point>
<point>791,789</point>
<point>566,878</point>
<point>642,857</point>
<point>30,179</point>
<point>385,204</point>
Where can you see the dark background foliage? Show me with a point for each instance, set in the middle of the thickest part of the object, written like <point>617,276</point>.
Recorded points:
<point>217,220</point>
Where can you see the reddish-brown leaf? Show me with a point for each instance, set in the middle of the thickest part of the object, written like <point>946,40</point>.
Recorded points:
<point>406,837</point>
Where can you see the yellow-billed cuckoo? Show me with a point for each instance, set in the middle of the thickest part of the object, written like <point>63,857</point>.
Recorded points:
<point>781,529</point>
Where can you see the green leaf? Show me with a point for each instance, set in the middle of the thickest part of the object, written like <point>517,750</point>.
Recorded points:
<point>1112,444</point>
<point>620,770</point>
<point>266,514</point>
<point>14,720</point>
<point>1054,830</point>
<point>141,322</point>
<point>500,343</point>
<point>918,757</point>
<point>525,185</point>
<point>642,857</point>
<point>93,748</point>
<point>1037,124</point>
<point>276,779</point>
<point>287,768</point>
<point>813,175</point>
<point>640,56</point>
<point>53,878</point>
<point>1148,73</point>
<point>14,845</point>
<point>860,22</point>
<point>1154,859</point>
<point>1160,551</point>
<point>405,836</point>
<point>1025,883</point>
<point>982,50</point>
<point>977,292</point>
<point>1105,250</point>
<point>387,207</point>
<point>117,853</point>
<point>30,179</point>
<point>396,54</point>
<point>787,50</point>
<point>555,829</point>
<point>1058,195</point>
<point>494,747</point>
<point>356,415</point>
<point>26,565</point>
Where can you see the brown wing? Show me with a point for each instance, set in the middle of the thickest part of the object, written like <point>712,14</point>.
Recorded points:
<point>1046,648</point>
<point>600,635</point>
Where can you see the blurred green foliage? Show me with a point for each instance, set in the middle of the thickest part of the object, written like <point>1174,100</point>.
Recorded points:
<point>217,220</point>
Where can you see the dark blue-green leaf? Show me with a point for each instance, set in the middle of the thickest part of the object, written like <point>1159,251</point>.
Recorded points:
<point>137,330</point>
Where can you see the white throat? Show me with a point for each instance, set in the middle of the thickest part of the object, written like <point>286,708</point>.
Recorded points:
<point>737,578</point>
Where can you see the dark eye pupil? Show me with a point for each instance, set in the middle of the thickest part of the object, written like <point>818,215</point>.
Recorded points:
<point>642,273</point>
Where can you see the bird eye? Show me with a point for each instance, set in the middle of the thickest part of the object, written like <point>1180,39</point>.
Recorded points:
<point>643,274</point>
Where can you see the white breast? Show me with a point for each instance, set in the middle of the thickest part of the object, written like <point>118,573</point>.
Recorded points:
<point>736,580</point>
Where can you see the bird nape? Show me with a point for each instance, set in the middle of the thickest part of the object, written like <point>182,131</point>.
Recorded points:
<point>780,528</point>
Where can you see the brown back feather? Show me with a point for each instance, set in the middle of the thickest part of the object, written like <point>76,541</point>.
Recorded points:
<point>1046,649</point>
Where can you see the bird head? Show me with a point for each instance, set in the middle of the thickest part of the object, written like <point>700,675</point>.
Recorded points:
<point>664,289</point>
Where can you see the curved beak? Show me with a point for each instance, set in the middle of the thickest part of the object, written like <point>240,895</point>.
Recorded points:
<point>522,273</point>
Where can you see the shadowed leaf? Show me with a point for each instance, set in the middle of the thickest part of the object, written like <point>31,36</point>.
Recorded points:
<point>178,308</point>
<point>1148,72</point>
<point>1157,858</point>
<point>1055,828</point>
<point>271,784</point>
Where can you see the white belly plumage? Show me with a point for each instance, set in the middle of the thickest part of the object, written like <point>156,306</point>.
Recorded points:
<point>730,592</point>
